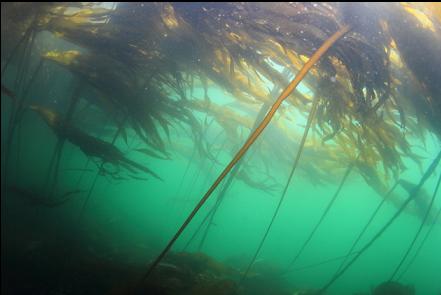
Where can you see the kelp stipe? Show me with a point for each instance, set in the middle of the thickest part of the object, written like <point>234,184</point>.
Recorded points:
<point>290,88</point>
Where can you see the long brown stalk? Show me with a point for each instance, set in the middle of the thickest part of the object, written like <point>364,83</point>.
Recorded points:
<point>266,120</point>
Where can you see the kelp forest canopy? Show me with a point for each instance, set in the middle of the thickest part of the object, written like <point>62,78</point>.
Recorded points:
<point>139,65</point>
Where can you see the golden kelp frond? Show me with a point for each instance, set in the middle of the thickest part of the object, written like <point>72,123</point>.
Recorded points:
<point>63,58</point>
<point>422,18</point>
<point>147,59</point>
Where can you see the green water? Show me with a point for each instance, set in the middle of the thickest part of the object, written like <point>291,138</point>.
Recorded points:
<point>129,221</point>
<point>133,219</point>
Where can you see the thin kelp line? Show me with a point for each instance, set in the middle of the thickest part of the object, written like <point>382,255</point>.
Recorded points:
<point>325,212</point>
<point>18,86</point>
<point>212,212</point>
<point>417,234</point>
<point>187,169</point>
<point>18,108</point>
<point>290,88</point>
<point>21,111</point>
<point>421,245</point>
<point>360,235</point>
<point>199,173</point>
<point>226,185</point>
<point>49,183</point>
<point>56,157</point>
<point>319,263</point>
<point>260,115</point>
<point>86,164</point>
<point>224,188</point>
<point>285,189</point>
<point>89,193</point>
<point>412,195</point>
<point>214,159</point>
<point>190,160</point>
<point>216,205</point>
<point>24,63</point>
<point>25,38</point>
<point>221,196</point>
<point>207,216</point>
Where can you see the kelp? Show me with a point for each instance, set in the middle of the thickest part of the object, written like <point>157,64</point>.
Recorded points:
<point>130,58</point>
<point>251,139</point>
<point>412,195</point>
<point>89,145</point>
<point>146,107</point>
<point>423,221</point>
<point>143,65</point>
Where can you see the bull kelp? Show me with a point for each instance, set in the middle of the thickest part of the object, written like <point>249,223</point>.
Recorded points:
<point>221,148</point>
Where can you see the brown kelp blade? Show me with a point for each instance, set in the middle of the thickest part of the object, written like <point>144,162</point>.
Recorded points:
<point>140,167</point>
<point>152,153</point>
<point>89,145</point>
<point>8,92</point>
<point>290,88</point>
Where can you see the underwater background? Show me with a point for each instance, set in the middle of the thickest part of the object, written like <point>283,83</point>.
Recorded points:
<point>88,214</point>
